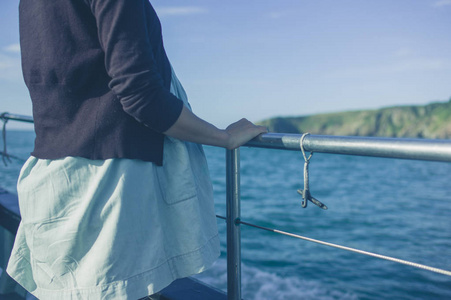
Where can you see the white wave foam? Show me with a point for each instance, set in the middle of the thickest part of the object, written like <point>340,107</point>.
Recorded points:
<point>262,285</point>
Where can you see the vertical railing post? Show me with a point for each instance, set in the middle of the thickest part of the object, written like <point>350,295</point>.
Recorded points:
<point>233,226</point>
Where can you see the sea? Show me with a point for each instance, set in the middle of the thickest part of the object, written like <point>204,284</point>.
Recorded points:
<point>393,207</point>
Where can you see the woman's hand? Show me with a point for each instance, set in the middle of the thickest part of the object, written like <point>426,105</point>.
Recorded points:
<point>241,132</point>
<point>191,128</point>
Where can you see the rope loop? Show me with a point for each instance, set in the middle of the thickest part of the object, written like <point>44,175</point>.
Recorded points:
<point>3,116</point>
<point>307,159</point>
<point>5,155</point>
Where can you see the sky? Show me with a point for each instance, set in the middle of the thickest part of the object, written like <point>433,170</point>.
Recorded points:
<point>260,59</point>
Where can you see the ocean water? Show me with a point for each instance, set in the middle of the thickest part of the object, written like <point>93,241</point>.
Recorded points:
<point>393,207</point>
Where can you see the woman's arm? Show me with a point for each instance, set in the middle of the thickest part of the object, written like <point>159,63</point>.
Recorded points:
<point>129,60</point>
<point>191,128</point>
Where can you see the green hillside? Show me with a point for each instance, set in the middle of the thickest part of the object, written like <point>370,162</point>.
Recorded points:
<point>428,121</point>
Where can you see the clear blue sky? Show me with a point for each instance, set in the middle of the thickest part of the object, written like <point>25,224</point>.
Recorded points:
<point>261,58</point>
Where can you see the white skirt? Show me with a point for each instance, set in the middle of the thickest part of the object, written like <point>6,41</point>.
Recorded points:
<point>116,228</point>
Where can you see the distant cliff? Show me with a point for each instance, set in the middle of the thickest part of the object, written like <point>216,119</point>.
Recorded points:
<point>428,121</point>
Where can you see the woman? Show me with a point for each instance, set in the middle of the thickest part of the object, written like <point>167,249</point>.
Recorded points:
<point>115,200</point>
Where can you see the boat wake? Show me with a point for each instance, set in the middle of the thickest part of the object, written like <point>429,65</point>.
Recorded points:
<point>262,285</point>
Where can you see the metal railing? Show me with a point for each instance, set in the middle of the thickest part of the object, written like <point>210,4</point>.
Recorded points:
<point>5,117</point>
<point>414,149</point>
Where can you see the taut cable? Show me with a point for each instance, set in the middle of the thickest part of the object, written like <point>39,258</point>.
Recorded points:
<point>397,260</point>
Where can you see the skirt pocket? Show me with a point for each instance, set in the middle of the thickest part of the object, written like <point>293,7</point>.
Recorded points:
<point>176,176</point>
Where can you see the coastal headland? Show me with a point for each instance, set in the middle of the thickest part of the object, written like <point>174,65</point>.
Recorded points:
<point>432,121</point>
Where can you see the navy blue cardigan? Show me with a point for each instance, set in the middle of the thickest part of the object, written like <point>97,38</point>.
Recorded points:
<point>98,77</point>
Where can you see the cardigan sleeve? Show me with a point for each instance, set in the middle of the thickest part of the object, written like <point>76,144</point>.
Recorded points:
<point>123,29</point>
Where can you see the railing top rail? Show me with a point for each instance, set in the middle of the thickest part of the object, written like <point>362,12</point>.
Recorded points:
<point>16,117</point>
<point>415,149</point>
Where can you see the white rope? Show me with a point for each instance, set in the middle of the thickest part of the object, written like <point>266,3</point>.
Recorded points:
<point>397,260</point>
<point>305,193</point>
<point>307,161</point>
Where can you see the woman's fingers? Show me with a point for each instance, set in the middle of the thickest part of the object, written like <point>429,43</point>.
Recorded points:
<point>242,131</point>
